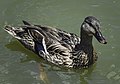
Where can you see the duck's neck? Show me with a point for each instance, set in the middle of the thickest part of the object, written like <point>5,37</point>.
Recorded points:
<point>86,40</point>
<point>86,45</point>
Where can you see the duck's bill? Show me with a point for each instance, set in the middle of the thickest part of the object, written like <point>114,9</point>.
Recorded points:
<point>100,38</point>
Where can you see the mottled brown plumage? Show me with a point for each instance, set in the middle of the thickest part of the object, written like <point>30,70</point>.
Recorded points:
<point>60,47</point>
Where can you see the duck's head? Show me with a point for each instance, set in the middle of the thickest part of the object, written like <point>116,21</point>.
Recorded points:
<point>91,26</point>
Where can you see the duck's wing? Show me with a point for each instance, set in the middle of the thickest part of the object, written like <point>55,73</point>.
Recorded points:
<point>57,34</point>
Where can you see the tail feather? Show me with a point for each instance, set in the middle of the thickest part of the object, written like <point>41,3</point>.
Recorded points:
<point>31,39</point>
<point>20,34</point>
<point>12,31</point>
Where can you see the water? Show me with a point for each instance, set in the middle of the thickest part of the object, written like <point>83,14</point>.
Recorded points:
<point>19,65</point>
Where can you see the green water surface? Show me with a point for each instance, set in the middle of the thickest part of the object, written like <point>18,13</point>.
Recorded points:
<point>20,66</point>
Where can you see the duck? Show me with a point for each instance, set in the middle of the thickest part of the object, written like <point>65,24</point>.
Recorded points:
<point>60,47</point>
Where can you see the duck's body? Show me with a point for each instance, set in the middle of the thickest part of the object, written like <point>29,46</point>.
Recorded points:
<point>57,46</point>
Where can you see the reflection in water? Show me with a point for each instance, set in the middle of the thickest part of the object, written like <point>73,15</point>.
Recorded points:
<point>69,75</point>
<point>65,75</point>
<point>43,74</point>
<point>50,73</point>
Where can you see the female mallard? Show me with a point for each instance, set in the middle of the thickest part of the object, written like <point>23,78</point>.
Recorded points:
<point>60,47</point>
